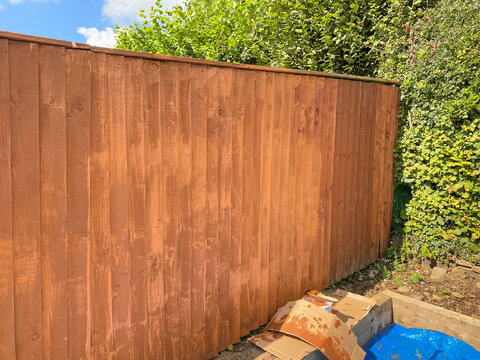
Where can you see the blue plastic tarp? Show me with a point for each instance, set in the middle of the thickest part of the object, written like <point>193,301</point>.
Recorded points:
<point>399,343</point>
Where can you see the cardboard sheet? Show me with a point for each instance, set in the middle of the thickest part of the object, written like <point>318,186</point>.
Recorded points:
<point>299,328</point>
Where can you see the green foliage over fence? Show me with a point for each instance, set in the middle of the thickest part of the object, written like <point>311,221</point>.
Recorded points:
<point>329,35</point>
<point>438,156</point>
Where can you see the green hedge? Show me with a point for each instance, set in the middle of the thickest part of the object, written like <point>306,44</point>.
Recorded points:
<point>438,156</point>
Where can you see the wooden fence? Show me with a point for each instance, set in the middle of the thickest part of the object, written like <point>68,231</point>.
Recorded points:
<point>160,207</point>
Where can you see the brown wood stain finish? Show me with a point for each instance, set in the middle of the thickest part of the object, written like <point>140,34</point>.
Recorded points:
<point>162,208</point>
<point>7,290</point>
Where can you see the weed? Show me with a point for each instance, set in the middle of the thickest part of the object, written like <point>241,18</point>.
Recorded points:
<point>383,269</point>
<point>415,278</point>
<point>398,279</point>
<point>445,293</point>
<point>230,347</point>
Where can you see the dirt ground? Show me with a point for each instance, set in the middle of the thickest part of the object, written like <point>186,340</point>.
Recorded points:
<point>458,289</point>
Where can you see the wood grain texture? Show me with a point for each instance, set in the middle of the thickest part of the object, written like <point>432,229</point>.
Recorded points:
<point>135,142</point>
<point>53,193</point>
<point>155,229</point>
<point>156,208</point>
<point>24,117</point>
<point>198,195</point>
<point>78,108</point>
<point>120,260</point>
<point>7,291</point>
<point>101,292</point>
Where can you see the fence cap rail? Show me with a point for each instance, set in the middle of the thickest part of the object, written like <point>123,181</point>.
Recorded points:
<point>72,45</point>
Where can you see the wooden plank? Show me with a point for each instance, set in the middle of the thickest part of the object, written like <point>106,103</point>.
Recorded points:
<point>361,159</point>
<point>135,132</point>
<point>224,204</point>
<point>300,150</point>
<point>339,184</point>
<point>329,121</point>
<point>169,122</point>
<point>259,104</point>
<point>368,109</point>
<point>316,91</point>
<point>198,205</point>
<point>24,115</point>
<point>310,243</point>
<point>354,235</point>
<point>101,291</point>
<point>211,290</point>
<point>154,229</point>
<point>247,297</point>
<point>318,183</point>
<point>274,276</point>
<point>286,173</point>
<point>78,104</point>
<point>184,208</point>
<point>371,247</point>
<point>7,291</point>
<point>238,108</point>
<point>346,245</point>
<point>122,335</point>
<point>379,171</point>
<point>265,194</point>
<point>53,195</point>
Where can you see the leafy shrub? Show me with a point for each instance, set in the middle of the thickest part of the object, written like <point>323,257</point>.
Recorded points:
<point>438,155</point>
<point>328,35</point>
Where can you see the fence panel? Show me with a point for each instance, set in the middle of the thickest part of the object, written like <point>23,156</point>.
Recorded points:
<point>161,207</point>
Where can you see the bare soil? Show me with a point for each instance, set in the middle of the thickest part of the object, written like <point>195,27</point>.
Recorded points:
<point>459,291</point>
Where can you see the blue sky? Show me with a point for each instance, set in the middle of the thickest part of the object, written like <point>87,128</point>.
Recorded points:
<point>84,21</point>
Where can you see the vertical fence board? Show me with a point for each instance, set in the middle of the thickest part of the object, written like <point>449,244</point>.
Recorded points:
<point>211,294</point>
<point>122,335</point>
<point>248,301</point>
<point>163,209</point>
<point>274,277</point>
<point>24,112</point>
<point>134,105</point>
<point>169,122</point>
<point>101,291</point>
<point>265,194</point>
<point>78,105</point>
<point>287,196</point>
<point>368,104</point>
<point>184,221</point>
<point>312,186</point>
<point>238,108</point>
<point>224,204</point>
<point>258,114</point>
<point>337,246</point>
<point>53,199</point>
<point>155,229</point>
<point>354,165</point>
<point>329,131</point>
<point>198,203</point>
<point>7,291</point>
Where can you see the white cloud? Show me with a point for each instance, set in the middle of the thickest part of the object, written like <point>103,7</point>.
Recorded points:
<point>2,7</point>
<point>123,12</point>
<point>14,1</point>
<point>95,37</point>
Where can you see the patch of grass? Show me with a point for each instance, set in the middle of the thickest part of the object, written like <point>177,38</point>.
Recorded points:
<point>230,347</point>
<point>415,278</point>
